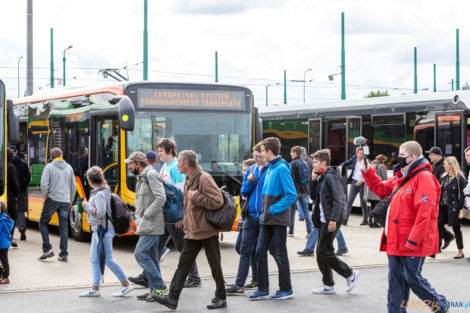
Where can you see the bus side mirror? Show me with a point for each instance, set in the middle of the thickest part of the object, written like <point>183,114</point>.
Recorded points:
<point>258,127</point>
<point>13,124</point>
<point>126,112</point>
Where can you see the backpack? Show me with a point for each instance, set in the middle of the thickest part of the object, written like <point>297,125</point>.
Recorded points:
<point>174,204</point>
<point>121,215</point>
<point>224,217</point>
<point>304,173</point>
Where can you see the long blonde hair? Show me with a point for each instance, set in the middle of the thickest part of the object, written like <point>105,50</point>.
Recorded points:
<point>455,170</point>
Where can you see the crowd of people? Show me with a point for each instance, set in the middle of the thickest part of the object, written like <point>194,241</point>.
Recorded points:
<point>422,199</point>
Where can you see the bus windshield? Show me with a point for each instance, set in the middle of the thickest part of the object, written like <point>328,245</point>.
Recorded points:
<point>221,140</point>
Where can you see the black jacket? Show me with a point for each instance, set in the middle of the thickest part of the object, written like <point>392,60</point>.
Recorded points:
<point>438,169</point>
<point>455,199</point>
<point>23,173</point>
<point>300,187</point>
<point>331,193</point>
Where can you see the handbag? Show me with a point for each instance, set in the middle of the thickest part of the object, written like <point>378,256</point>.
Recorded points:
<point>379,213</point>
<point>244,208</point>
<point>464,213</point>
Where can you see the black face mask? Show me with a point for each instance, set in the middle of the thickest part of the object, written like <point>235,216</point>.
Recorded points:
<point>402,161</point>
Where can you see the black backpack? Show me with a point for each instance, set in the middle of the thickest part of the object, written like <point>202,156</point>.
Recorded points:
<point>304,172</point>
<point>121,215</point>
<point>224,217</point>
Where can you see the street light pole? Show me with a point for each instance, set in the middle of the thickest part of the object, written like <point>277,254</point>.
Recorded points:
<point>304,81</point>
<point>69,47</point>
<point>267,94</point>
<point>19,75</point>
<point>146,61</point>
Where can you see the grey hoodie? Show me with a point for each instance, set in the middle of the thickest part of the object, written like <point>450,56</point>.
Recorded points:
<point>58,182</point>
<point>100,198</point>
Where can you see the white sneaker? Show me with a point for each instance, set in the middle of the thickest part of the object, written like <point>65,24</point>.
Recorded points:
<point>123,291</point>
<point>352,280</point>
<point>324,290</point>
<point>90,293</point>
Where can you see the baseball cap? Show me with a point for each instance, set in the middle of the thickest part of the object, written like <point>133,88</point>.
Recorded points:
<point>435,150</point>
<point>136,156</point>
<point>151,155</point>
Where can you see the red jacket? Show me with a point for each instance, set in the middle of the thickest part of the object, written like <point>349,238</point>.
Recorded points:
<point>412,217</point>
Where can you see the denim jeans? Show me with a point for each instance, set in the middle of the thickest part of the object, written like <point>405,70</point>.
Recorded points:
<point>312,239</point>
<point>273,238</point>
<point>404,273</point>
<point>251,226</point>
<point>302,206</point>
<point>353,191</point>
<point>341,241</point>
<point>146,254</point>
<point>63,211</point>
<point>177,236</point>
<point>110,262</point>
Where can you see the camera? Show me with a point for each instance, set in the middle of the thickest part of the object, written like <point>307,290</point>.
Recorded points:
<point>361,141</point>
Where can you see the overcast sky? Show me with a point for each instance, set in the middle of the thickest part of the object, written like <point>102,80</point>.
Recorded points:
<point>256,41</point>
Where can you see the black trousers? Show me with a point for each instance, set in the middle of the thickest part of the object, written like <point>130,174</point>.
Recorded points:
<point>190,251</point>
<point>326,257</point>
<point>12,211</point>
<point>4,260</point>
<point>441,221</point>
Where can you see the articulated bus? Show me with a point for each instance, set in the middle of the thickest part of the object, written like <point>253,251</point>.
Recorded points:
<point>438,119</point>
<point>218,122</point>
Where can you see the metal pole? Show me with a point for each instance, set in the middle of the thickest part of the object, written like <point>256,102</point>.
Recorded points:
<point>29,49</point>
<point>434,77</point>
<point>457,63</point>
<point>63,65</point>
<point>452,84</point>
<point>343,61</point>
<point>19,75</point>
<point>216,67</point>
<point>52,58</point>
<point>285,88</point>
<point>267,94</point>
<point>304,81</point>
<point>416,72</point>
<point>145,63</point>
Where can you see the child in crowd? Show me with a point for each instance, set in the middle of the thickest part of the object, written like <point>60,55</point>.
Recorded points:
<point>6,225</point>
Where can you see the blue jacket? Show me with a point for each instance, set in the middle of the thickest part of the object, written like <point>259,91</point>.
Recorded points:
<point>254,205</point>
<point>279,193</point>
<point>6,224</point>
<point>352,163</point>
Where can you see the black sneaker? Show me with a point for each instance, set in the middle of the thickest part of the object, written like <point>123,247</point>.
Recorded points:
<point>251,285</point>
<point>139,280</point>
<point>192,283</point>
<point>305,252</point>
<point>363,223</point>
<point>234,290</point>
<point>166,301</point>
<point>218,304</point>
<point>47,254</point>
<point>23,235</point>
<point>14,244</point>
<point>340,252</point>
<point>447,242</point>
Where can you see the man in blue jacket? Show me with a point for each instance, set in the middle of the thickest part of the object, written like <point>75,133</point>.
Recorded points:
<point>277,196</point>
<point>252,188</point>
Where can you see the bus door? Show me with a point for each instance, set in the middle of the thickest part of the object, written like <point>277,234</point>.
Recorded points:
<point>338,136</point>
<point>314,135</point>
<point>105,145</point>
<point>451,134</point>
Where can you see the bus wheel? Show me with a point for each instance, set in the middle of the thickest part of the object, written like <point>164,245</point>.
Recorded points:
<point>75,222</point>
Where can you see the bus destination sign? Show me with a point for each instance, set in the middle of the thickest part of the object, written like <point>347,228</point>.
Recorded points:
<point>195,99</point>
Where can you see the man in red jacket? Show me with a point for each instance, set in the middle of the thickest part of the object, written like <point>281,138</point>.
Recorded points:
<point>411,226</point>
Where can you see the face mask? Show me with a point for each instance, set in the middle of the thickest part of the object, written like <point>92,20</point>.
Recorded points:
<point>402,161</point>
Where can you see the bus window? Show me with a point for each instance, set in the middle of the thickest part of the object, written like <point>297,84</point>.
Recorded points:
<point>107,148</point>
<point>449,135</point>
<point>314,136</point>
<point>335,138</point>
<point>388,133</point>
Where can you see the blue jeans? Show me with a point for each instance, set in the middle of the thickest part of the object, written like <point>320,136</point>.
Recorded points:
<point>110,262</point>
<point>353,191</point>
<point>312,239</point>
<point>63,211</point>
<point>404,273</point>
<point>273,238</point>
<point>341,241</point>
<point>302,206</point>
<point>146,254</point>
<point>251,226</point>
